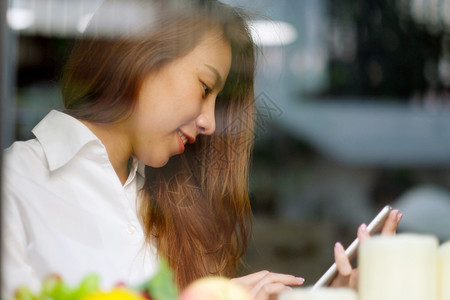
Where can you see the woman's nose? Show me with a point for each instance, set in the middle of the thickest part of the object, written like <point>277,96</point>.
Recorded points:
<point>206,121</point>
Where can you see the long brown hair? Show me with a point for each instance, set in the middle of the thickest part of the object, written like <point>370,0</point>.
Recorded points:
<point>196,208</point>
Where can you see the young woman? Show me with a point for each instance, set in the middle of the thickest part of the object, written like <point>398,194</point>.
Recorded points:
<point>149,158</point>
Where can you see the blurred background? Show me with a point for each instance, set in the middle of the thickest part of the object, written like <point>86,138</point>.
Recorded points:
<point>352,112</point>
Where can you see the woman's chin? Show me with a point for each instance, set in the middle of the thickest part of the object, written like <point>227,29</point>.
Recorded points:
<point>156,163</point>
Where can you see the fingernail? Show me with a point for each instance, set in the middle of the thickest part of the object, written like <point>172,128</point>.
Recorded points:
<point>300,280</point>
<point>395,214</point>
<point>363,226</point>
<point>338,246</point>
<point>399,217</point>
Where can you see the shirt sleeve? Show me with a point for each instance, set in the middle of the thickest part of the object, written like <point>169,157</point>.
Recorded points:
<point>16,271</point>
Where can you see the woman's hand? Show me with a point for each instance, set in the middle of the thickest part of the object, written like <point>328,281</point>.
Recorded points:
<point>348,276</point>
<point>265,284</point>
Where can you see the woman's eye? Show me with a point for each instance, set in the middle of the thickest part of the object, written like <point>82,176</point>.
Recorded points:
<point>206,89</point>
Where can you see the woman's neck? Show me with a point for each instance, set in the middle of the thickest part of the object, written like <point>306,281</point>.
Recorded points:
<point>116,141</point>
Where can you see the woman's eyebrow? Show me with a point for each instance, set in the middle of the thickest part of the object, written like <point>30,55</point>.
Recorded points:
<point>216,73</point>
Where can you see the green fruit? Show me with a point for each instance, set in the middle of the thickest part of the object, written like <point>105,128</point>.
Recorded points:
<point>63,292</point>
<point>88,285</point>
<point>49,287</point>
<point>24,293</point>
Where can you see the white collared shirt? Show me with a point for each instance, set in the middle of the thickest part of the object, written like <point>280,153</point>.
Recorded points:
<point>66,211</point>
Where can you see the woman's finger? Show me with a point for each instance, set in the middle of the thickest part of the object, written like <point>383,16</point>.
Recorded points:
<point>251,279</point>
<point>343,266</point>
<point>272,278</point>
<point>342,262</point>
<point>282,278</point>
<point>263,277</point>
<point>263,284</point>
<point>363,234</point>
<point>269,290</point>
<point>390,226</point>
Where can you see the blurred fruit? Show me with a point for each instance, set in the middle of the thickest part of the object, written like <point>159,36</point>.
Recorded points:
<point>24,293</point>
<point>89,285</point>
<point>161,286</point>
<point>215,288</point>
<point>62,291</point>
<point>49,286</point>
<point>118,293</point>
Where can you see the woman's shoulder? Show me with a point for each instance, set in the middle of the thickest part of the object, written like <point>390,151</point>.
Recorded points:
<point>23,155</point>
<point>23,150</point>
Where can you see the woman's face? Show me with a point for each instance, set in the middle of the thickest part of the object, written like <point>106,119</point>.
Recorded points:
<point>177,103</point>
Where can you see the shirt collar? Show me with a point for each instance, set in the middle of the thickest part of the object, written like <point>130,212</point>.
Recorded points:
<point>137,167</point>
<point>141,168</point>
<point>62,137</point>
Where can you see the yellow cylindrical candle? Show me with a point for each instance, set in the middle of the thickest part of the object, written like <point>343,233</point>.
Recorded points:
<point>444,271</point>
<point>401,267</point>
<point>305,293</point>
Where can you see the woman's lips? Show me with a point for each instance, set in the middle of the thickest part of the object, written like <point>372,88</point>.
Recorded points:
<point>186,138</point>
<point>182,140</point>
